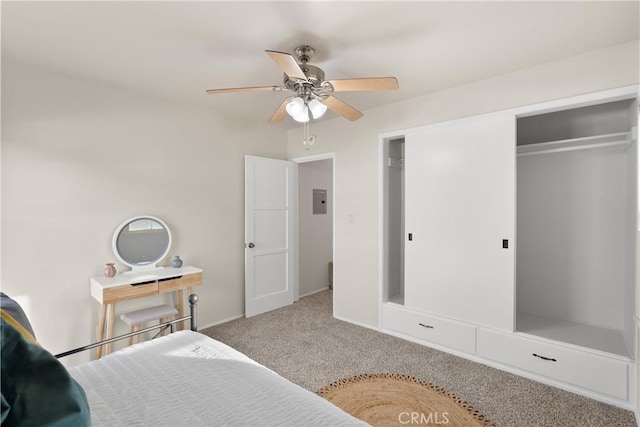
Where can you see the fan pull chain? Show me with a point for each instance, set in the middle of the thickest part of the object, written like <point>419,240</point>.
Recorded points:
<point>305,133</point>
<point>308,140</point>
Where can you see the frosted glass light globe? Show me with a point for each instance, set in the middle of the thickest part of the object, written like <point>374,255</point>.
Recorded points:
<point>303,116</point>
<point>295,107</point>
<point>317,108</point>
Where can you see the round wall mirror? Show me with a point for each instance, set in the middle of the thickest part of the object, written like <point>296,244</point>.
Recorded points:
<point>141,242</point>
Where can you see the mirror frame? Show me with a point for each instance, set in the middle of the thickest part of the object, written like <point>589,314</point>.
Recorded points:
<point>152,264</point>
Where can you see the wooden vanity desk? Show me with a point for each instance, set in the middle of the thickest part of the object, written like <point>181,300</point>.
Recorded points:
<point>131,285</point>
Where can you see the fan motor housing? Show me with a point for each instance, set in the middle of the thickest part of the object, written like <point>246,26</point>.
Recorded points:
<point>314,74</point>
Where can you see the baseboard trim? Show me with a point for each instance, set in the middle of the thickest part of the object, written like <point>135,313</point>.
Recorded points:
<point>220,322</point>
<point>232,318</point>
<point>313,292</point>
<point>364,325</point>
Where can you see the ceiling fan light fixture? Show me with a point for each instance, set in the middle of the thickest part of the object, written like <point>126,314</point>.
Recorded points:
<point>303,116</point>
<point>295,107</point>
<point>317,108</point>
<point>313,95</point>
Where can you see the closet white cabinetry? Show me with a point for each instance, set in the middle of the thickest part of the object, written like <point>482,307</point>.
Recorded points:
<point>520,246</point>
<point>449,333</point>
<point>592,371</point>
<point>576,216</point>
<point>459,204</point>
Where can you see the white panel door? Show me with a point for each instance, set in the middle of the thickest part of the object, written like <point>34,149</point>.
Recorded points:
<point>269,194</point>
<point>460,205</point>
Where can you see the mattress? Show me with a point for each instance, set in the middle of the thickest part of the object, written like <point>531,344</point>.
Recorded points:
<point>189,379</point>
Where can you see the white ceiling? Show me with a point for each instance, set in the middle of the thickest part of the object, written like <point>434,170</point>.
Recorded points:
<point>178,49</point>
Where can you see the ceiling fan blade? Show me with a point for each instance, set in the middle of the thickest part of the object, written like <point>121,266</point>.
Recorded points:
<point>246,89</point>
<point>287,64</point>
<point>364,84</point>
<point>342,108</point>
<point>280,113</point>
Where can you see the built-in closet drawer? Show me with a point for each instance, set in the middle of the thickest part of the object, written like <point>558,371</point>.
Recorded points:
<point>455,335</point>
<point>584,369</point>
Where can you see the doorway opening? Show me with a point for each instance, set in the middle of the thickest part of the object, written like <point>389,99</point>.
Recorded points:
<point>315,227</point>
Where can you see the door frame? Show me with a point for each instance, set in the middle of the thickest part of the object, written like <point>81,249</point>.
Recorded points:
<point>296,253</point>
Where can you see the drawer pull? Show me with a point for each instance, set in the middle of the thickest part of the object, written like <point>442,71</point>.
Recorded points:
<point>143,283</point>
<point>545,358</point>
<point>425,326</point>
<point>169,278</point>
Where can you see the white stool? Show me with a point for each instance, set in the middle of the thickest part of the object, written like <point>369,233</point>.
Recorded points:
<point>134,319</point>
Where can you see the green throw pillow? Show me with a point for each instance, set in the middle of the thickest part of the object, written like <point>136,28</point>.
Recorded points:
<point>37,389</point>
<point>15,313</point>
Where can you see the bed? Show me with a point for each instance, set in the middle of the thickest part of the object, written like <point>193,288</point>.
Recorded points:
<point>182,379</point>
<point>187,378</point>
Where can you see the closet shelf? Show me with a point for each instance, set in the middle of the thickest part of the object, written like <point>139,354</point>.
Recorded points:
<point>596,337</point>
<point>585,143</point>
<point>397,299</point>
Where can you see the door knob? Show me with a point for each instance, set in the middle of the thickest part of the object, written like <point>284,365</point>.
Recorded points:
<point>251,245</point>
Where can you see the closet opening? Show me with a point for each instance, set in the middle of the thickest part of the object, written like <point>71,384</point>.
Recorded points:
<point>576,226</point>
<point>393,183</point>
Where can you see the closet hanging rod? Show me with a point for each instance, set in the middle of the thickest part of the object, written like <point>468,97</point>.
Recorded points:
<point>396,163</point>
<point>584,143</point>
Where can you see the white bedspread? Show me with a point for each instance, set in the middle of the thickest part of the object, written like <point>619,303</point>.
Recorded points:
<point>188,379</point>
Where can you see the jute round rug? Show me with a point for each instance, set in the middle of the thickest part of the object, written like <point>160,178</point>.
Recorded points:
<point>401,400</point>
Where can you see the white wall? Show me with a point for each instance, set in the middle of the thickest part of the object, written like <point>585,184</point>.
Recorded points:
<point>315,232</point>
<point>79,158</point>
<point>356,149</point>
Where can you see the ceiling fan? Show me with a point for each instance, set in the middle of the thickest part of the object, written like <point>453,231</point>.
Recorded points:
<point>313,94</point>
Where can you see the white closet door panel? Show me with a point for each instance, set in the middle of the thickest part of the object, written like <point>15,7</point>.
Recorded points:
<point>460,205</point>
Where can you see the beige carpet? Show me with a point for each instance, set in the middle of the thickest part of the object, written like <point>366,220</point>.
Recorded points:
<point>306,345</point>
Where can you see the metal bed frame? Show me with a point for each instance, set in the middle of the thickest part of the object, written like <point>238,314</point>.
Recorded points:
<point>192,317</point>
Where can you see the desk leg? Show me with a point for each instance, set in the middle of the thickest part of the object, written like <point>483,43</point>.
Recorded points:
<point>180,300</point>
<point>100,334</point>
<point>110,315</point>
